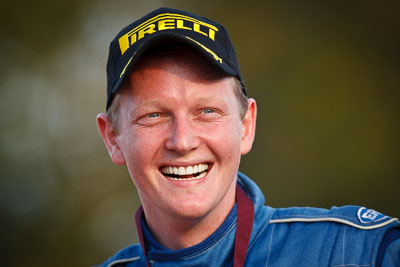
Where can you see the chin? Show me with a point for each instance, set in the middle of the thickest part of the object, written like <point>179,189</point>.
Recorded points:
<point>194,211</point>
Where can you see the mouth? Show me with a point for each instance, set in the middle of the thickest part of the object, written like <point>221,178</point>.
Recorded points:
<point>187,173</point>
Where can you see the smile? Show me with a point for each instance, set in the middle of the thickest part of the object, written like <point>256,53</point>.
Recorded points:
<point>187,173</point>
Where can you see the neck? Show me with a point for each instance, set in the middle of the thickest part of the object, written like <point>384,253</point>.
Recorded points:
<point>175,232</point>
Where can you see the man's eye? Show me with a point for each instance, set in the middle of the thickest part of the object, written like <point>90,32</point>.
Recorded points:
<point>151,119</point>
<point>208,111</point>
<point>153,115</point>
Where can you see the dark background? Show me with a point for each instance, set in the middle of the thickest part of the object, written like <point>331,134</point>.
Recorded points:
<point>325,77</point>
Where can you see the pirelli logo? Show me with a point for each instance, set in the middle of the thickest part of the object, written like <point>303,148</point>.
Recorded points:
<point>164,22</point>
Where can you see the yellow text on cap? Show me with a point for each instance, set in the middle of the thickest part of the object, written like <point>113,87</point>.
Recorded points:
<point>164,22</point>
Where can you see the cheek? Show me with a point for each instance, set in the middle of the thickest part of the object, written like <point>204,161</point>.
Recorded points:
<point>136,150</point>
<point>226,141</point>
<point>138,162</point>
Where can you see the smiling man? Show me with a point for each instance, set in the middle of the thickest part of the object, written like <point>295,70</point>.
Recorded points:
<point>181,134</point>
<point>179,117</point>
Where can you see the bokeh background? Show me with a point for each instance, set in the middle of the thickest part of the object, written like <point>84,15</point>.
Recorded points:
<point>325,76</point>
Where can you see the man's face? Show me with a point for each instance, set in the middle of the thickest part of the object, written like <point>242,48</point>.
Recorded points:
<point>181,135</point>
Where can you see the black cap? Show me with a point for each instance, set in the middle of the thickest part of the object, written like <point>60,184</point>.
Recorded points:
<point>208,37</point>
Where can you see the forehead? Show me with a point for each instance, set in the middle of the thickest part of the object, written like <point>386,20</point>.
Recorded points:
<point>166,68</point>
<point>170,55</point>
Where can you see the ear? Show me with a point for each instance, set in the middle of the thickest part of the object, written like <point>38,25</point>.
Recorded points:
<point>249,126</point>
<point>109,136</point>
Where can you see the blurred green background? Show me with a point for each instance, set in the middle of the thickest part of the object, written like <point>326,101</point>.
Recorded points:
<point>325,76</point>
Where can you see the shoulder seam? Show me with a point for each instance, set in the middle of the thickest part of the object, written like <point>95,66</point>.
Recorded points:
<point>331,219</point>
<point>122,261</point>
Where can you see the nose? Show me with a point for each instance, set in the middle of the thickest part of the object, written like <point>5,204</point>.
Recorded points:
<point>182,137</point>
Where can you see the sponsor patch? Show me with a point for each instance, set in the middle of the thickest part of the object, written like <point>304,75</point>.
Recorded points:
<point>369,216</point>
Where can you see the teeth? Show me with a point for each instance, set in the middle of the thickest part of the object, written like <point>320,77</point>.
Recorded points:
<point>202,167</point>
<point>189,170</point>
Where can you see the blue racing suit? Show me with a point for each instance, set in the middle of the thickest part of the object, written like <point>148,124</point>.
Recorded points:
<point>346,236</point>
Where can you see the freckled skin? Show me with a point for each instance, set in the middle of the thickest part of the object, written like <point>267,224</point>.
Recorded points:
<point>178,111</point>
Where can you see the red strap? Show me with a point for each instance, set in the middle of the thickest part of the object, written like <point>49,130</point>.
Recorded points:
<point>244,225</point>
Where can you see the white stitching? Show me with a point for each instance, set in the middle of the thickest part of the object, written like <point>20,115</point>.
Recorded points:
<point>355,265</point>
<point>270,244</point>
<point>344,243</point>
<point>312,216</point>
<point>122,261</point>
<point>332,219</point>
<point>258,235</point>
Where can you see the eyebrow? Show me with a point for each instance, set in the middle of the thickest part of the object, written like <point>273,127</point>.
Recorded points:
<point>157,103</point>
<point>145,104</point>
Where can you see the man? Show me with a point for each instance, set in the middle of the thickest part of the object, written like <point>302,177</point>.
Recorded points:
<point>179,117</point>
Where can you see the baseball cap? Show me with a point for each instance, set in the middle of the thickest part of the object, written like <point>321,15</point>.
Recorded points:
<point>208,37</point>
